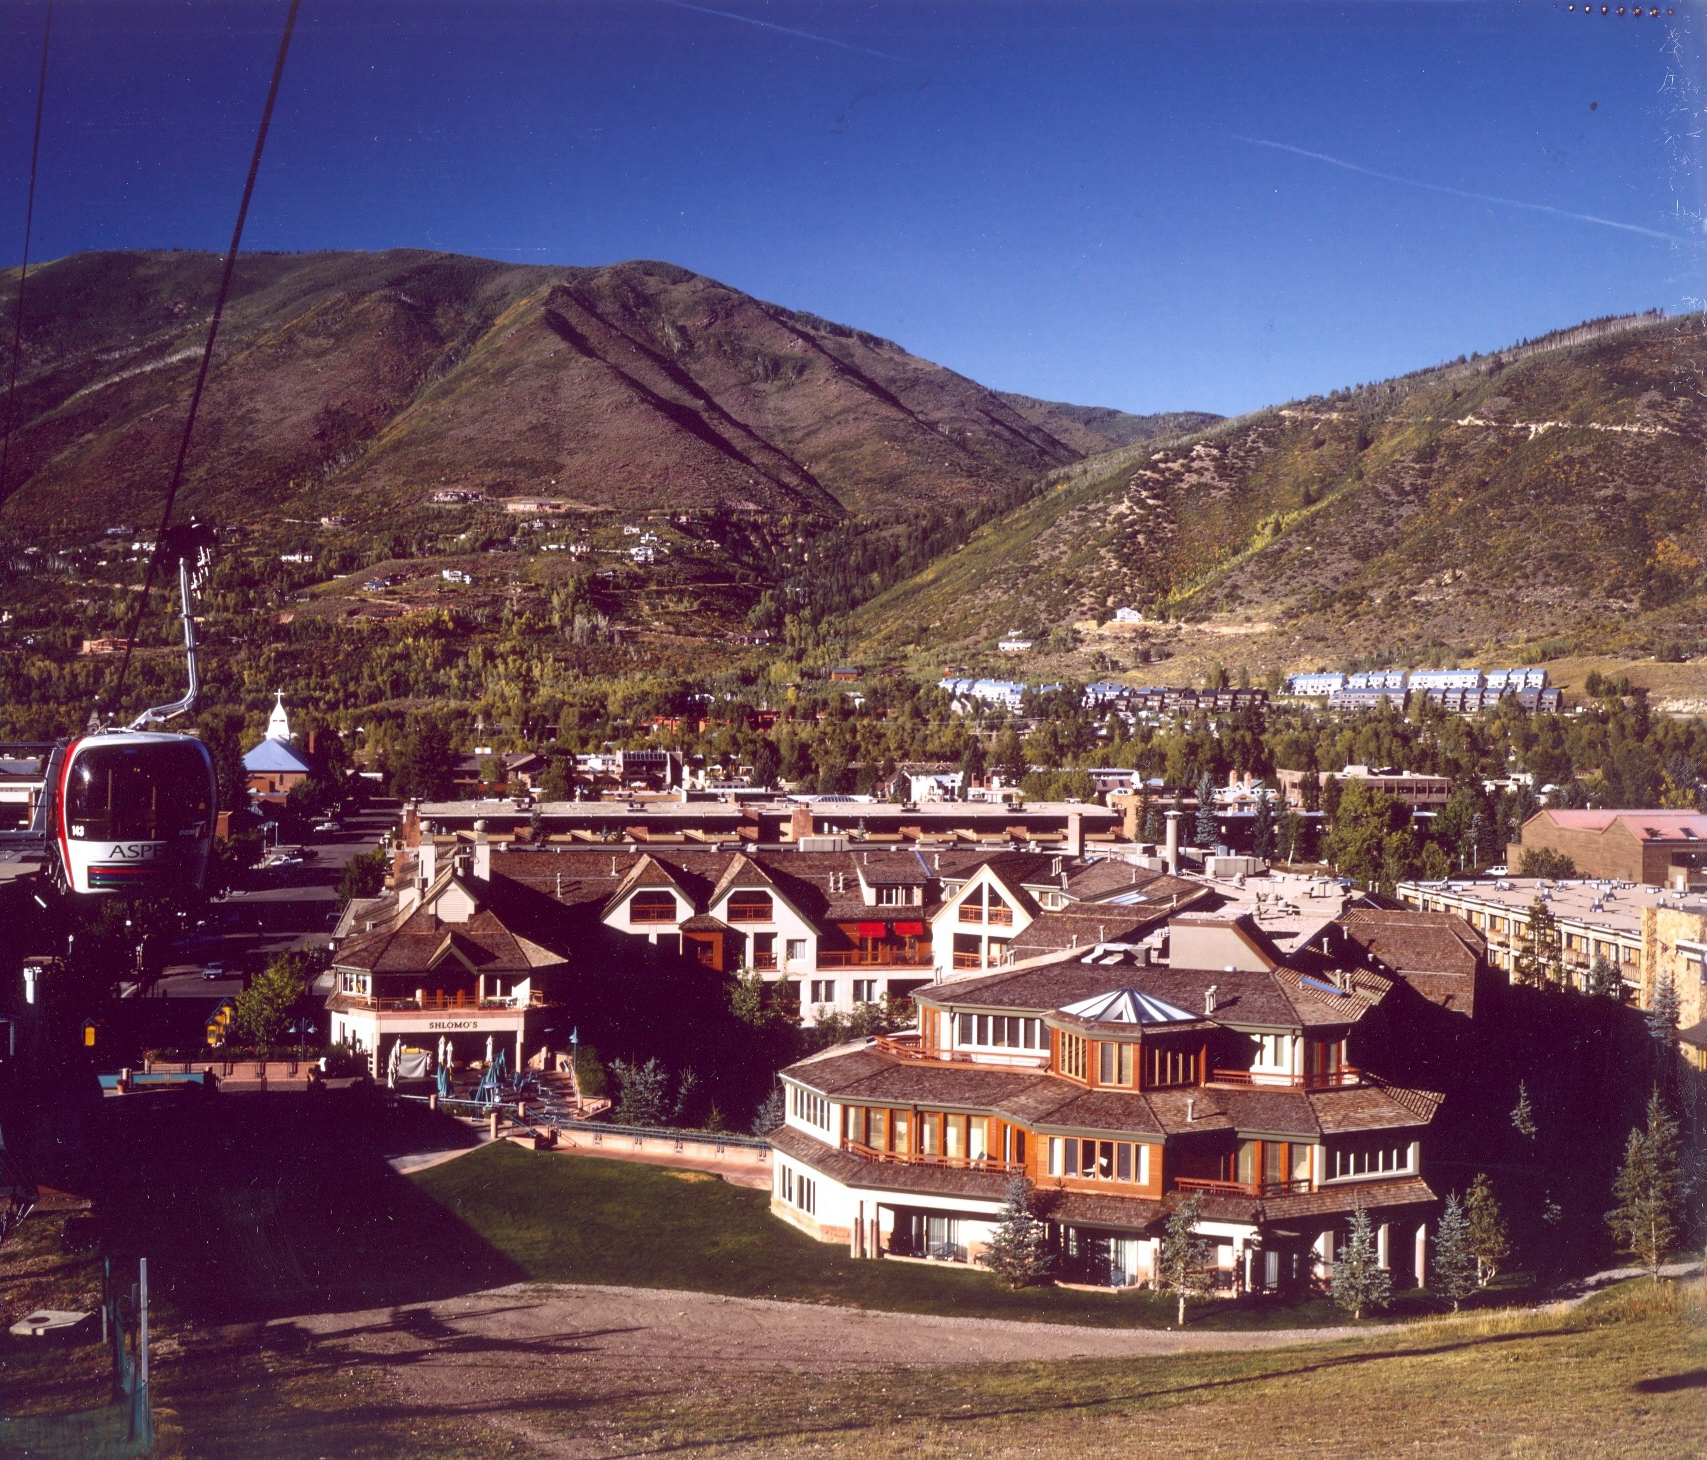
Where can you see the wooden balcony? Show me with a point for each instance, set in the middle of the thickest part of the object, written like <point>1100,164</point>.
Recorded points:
<point>1326,1080</point>
<point>996,917</point>
<point>764,960</point>
<point>1241,1188</point>
<point>946,1163</point>
<point>652,914</point>
<point>907,1047</point>
<point>968,960</point>
<point>879,956</point>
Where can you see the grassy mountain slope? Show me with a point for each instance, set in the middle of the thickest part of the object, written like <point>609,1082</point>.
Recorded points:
<point>360,383</point>
<point>1123,428</point>
<point>1561,493</point>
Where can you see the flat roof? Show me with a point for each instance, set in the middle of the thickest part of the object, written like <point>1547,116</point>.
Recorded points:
<point>1569,899</point>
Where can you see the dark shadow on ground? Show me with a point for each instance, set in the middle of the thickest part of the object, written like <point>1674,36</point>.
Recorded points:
<point>257,1206</point>
<point>1671,1383</point>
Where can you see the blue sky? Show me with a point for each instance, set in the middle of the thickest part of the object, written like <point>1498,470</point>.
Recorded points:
<point>1154,206</point>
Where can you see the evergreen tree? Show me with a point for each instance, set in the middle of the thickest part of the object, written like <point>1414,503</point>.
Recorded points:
<point>1645,1221</point>
<point>971,765</point>
<point>1662,1016</point>
<point>644,1093</point>
<point>1019,1249</point>
<point>1183,1265</point>
<point>1206,832</point>
<point>1262,827</point>
<point>771,1114</point>
<point>1604,980</point>
<point>1522,1115</point>
<point>1359,1280</point>
<point>1539,962</point>
<point>1489,1239</point>
<point>1454,1262</point>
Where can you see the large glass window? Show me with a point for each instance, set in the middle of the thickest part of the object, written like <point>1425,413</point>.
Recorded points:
<point>1114,1062</point>
<point>159,791</point>
<point>1000,1031</point>
<point>1072,1060</point>
<point>1170,1065</point>
<point>1084,1159</point>
<point>1373,1156</point>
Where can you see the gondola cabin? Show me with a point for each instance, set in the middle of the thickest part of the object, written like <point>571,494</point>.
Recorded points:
<point>133,814</point>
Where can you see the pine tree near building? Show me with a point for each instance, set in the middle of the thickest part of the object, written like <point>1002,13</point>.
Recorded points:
<point>1523,1114</point>
<point>1645,1221</point>
<point>1662,1016</point>
<point>1019,1246</point>
<point>1262,827</point>
<point>1206,833</point>
<point>1539,962</point>
<point>1359,1280</point>
<point>1489,1239</point>
<point>1454,1261</point>
<point>1183,1265</point>
<point>1604,980</point>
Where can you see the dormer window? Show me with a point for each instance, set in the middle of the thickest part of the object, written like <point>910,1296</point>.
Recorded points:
<point>652,907</point>
<point>750,907</point>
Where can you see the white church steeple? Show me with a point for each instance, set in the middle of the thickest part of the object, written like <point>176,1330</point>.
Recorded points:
<point>278,725</point>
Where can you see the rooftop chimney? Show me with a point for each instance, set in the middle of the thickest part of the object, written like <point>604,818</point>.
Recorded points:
<point>1209,995</point>
<point>1190,1109</point>
<point>1171,853</point>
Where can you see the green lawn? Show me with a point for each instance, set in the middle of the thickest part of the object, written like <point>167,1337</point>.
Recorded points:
<point>577,1219</point>
<point>1623,1376</point>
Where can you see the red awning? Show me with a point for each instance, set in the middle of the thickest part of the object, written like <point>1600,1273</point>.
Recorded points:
<point>872,930</point>
<point>910,930</point>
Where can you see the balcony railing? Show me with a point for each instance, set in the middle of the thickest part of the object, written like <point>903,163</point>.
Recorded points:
<point>1322,1080</point>
<point>1242,1188</point>
<point>652,914</point>
<point>764,960</point>
<point>876,957</point>
<point>444,1004</point>
<point>747,912</point>
<point>1001,917</point>
<point>908,1048</point>
<point>968,960</point>
<point>918,1158</point>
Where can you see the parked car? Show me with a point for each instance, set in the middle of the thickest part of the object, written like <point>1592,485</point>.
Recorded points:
<point>328,827</point>
<point>214,970</point>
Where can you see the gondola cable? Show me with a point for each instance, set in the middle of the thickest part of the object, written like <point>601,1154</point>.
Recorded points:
<point>24,266</point>
<point>161,536</point>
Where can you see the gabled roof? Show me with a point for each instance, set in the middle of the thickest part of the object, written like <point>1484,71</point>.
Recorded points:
<point>509,930</point>
<point>1687,827</point>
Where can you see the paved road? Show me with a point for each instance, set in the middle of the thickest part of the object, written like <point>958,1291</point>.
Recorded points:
<point>279,911</point>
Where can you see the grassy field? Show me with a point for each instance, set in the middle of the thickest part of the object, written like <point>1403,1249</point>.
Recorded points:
<point>571,1219</point>
<point>1625,1375</point>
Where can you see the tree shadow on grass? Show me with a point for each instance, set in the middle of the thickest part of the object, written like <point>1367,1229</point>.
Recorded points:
<point>1672,1383</point>
<point>258,1206</point>
<point>1047,1403</point>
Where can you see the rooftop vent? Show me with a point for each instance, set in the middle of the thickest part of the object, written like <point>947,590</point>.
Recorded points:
<point>1209,997</point>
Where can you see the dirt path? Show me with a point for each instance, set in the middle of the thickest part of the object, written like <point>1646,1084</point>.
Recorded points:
<point>509,1357</point>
